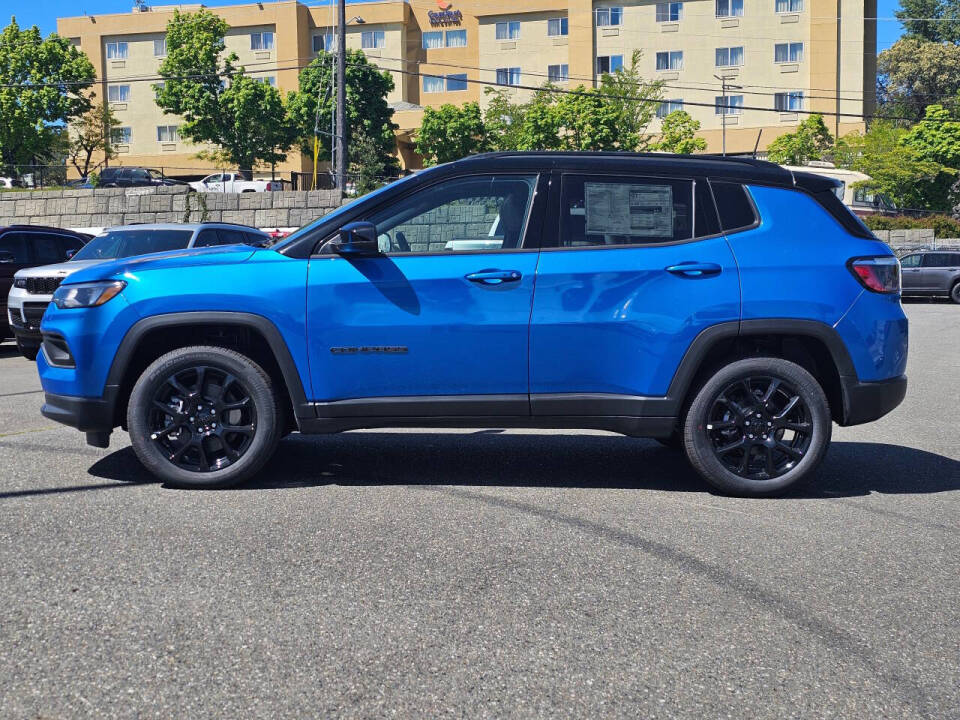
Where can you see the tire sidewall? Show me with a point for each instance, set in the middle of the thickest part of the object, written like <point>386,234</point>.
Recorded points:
<point>955,293</point>
<point>699,447</point>
<point>255,382</point>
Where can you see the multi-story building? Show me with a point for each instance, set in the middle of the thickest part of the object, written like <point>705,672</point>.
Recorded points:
<point>748,70</point>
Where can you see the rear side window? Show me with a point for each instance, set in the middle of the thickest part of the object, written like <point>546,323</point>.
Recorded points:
<point>206,238</point>
<point>733,204</point>
<point>602,211</point>
<point>231,237</point>
<point>46,249</point>
<point>941,260</point>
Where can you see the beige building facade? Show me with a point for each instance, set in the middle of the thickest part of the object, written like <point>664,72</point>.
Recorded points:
<point>748,70</point>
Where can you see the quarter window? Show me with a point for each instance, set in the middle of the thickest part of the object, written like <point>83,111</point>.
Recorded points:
<point>557,26</point>
<point>508,30</point>
<point>477,213</point>
<point>669,11</point>
<point>602,211</point>
<point>736,210</point>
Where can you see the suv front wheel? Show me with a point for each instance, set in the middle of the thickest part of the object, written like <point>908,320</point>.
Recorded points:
<point>203,417</point>
<point>757,426</point>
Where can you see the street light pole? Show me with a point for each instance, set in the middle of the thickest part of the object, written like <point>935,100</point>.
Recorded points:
<point>723,115</point>
<point>341,132</point>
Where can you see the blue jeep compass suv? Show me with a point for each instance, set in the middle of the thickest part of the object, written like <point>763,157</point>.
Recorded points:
<point>728,307</point>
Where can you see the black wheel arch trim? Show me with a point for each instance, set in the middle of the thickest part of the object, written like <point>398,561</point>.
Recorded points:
<point>278,346</point>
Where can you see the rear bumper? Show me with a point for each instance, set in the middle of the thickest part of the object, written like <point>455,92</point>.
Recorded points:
<point>867,401</point>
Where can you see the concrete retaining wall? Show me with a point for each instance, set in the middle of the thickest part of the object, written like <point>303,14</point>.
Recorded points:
<point>78,209</point>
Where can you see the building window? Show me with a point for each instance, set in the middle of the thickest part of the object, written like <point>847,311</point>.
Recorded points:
<point>168,134</point>
<point>729,56</point>
<point>456,82</point>
<point>609,16</point>
<point>668,106</point>
<point>456,38</point>
<point>269,80</point>
<point>508,76</point>
<point>121,135</point>
<point>558,73</point>
<point>116,51</point>
<point>557,27</point>
<point>732,106</point>
<point>261,41</point>
<point>324,42</point>
<point>372,39</point>
<point>433,84</point>
<point>432,40</point>
<point>672,60</point>
<point>160,47</point>
<point>609,64</point>
<point>789,6</point>
<point>118,93</point>
<point>669,11</point>
<point>788,52</point>
<point>508,30</point>
<point>157,89</point>
<point>788,101</point>
<point>729,8</point>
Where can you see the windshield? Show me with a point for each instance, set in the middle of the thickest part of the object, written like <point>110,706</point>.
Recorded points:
<point>127,243</point>
<point>342,210</point>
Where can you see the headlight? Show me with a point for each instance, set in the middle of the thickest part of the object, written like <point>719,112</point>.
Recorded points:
<point>84,295</point>
<point>20,283</point>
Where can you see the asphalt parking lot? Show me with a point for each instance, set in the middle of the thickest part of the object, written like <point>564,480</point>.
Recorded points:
<point>486,574</point>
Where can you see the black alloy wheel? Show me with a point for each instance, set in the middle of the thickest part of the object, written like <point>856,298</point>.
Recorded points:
<point>203,418</point>
<point>759,427</point>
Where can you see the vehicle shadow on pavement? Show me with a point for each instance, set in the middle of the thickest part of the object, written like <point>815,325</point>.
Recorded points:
<point>489,458</point>
<point>8,349</point>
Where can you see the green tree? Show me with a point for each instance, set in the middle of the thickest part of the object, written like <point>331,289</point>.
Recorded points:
<point>897,170</point>
<point>220,104</point>
<point>449,133</point>
<point>936,137</point>
<point>590,120</point>
<point>503,120</point>
<point>367,163</point>
<point>915,73</point>
<point>42,87</point>
<point>811,141</point>
<point>936,20</point>
<point>678,134</point>
<point>636,101</point>
<point>89,139</point>
<point>368,113</point>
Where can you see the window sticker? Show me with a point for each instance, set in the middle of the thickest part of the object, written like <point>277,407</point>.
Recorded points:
<point>635,210</point>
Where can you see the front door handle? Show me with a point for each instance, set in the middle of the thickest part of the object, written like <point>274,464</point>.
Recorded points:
<point>494,277</point>
<point>694,269</point>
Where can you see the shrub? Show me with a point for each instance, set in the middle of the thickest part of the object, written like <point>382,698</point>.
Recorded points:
<point>942,225</point>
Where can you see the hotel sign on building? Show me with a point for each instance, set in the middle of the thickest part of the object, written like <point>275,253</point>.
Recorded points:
<point>780,59</point>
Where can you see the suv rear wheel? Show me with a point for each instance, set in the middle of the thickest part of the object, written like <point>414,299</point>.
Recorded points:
<point>757,426</point>
<point>955,293</point>
<point>203,417</point>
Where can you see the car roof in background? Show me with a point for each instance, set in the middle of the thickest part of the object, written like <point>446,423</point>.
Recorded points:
<point>184,226</point>
<point>44,228</point>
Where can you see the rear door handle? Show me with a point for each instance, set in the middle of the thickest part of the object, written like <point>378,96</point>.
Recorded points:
<point>494,277</point>
<point>694,269</point>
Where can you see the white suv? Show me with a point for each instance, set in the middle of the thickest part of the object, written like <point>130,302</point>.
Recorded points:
<point>33,288</point>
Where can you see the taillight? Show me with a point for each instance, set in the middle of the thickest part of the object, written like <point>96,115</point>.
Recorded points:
<point>879,274</point>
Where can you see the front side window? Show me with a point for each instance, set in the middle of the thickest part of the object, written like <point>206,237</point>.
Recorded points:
<point>371,39</point>
<point>731,105</point>
<point>789,6</point>
<point>168,134</point>
<point>160,47</point>
<point>788,101</point>
<point>118,93</point>
<point>788,52</point>
<point>668,106</point>
<point>605,211</point>
<point>508,30</point>
<point>558,73</point>
<point>116,51</point>
<point>729,8</point>
<point>609,64</point>
<point>14,249</point>
<point>508,76</point>
<point>456,38</point>
<point>729,56</point>
<point>910,261</point>
<point>474,213</point>
<point>669,11</point>
<point>609,16</point>
<point>127,243</point>
<point>120,136</point>
<point>432,40</point>
<point>672,60</point>
<point>261,41</point>
<point>557,26</point>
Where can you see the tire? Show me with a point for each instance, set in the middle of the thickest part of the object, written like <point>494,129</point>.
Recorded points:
<point>955,293</point>
<point>30,352</point>
<point>176,429</point>
<point>747,439</point>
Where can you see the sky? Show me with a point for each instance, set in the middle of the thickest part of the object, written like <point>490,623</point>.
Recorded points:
<point>45,13</point>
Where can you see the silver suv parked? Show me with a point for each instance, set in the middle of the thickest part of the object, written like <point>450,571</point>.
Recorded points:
<point>932,272</point>
<point>33,288</point>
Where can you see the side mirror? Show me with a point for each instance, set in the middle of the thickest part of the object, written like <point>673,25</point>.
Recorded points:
<point>357,239</point>
<point>70,253</point>
<point>7,257</point>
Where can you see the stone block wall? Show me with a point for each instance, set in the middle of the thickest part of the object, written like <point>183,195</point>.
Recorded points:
<point>88,208</point>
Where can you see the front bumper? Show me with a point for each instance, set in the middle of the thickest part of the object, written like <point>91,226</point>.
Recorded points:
<point>94,416</point>
<point>865,402</point>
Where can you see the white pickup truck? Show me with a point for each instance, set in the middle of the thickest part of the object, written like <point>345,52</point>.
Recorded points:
<point>234,183</point>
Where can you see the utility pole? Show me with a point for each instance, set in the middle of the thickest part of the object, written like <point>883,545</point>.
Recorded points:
<point>341,134</point>
<point>723,116</point>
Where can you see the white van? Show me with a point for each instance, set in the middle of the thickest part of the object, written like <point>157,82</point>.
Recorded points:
<point>862,201</point>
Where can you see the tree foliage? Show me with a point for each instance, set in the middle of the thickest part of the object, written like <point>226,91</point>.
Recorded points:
<point>915,72</point>
<point>368,114</point>
<point>42,87</point>
<point>220,104</point>
<point>89,139</point>
<point>811,141</point>
<point>936,137</point>
<point>449,133</point>
<point>678,134</point>
<point>934,20</point>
